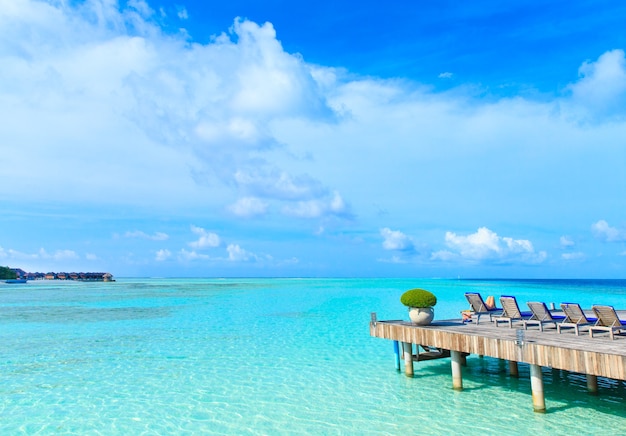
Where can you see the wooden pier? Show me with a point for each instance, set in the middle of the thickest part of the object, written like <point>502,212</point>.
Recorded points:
<point>596,357</point>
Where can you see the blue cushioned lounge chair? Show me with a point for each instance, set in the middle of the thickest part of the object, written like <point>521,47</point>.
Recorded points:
<point>510,311</point>
<point>541,315</point>
<point>480,308</point>
<point>607,321</point>
<point>574,318</point>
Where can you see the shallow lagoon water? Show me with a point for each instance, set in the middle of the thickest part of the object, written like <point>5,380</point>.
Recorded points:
<point>268,356</point>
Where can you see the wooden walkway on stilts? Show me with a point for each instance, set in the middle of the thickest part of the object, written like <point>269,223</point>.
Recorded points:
<point>597,356</point>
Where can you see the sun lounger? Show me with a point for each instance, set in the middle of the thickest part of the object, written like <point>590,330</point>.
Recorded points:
<point>541,315</point>
<point>607,321</point>
<point>480,308</point>
<point>510,311</point>
<point>574,318</point>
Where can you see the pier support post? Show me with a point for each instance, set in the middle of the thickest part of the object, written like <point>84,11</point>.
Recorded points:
<point>592,384</point>
<point>536,385</point>
<point>457,376</point>
<point>407,349</point>
<point>396,352</point>
<point>513,371</point>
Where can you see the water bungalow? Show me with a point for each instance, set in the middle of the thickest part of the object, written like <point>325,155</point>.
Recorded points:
<point>82,276</point>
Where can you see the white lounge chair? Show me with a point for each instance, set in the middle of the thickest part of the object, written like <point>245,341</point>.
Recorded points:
<point>574,318</point>
<point>510,311</point>
<point>607,321</point>
<point>480,308</point>
<point>541,315</point>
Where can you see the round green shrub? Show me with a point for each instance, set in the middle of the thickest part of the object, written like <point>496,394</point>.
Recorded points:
<point>418,298</point>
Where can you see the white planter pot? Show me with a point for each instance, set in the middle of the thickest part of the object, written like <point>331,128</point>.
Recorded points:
<point>421,315</point>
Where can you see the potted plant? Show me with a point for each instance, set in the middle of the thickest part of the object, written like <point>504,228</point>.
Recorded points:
<point>420,303</point>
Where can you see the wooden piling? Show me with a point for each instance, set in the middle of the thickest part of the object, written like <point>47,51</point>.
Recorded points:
<point>407,349</point>
<point>513,371</point>
<point>592,384</point>
<point>536,386</point>
<point>457,375</point>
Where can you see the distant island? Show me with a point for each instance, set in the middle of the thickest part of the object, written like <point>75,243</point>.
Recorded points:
<point>7,273</point>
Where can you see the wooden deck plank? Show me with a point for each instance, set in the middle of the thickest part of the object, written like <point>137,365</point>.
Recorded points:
<point>598,356</point>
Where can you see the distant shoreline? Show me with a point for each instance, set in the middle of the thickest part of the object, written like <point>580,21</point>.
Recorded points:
<point>81,276</point>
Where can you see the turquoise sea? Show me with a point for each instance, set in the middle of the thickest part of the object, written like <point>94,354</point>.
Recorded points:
<point>267,357</point>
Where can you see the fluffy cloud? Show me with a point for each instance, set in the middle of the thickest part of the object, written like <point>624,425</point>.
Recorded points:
<point>248,207</point>
<point>182,13</point>
<point>603,231</point>
<point>85,70</point>
<point>279,185</point>
<point>395,240</point>
<point>58,255</point>
<point>601,90</point>
<point>162,255</point>
<point>157,236</point>
<point>205,240</point>
<point>566,242</point>
<point>331,206</point>
<point>486,246</point>
<point>238,254</point>
<point>573,256</point>
<point>187,256</point>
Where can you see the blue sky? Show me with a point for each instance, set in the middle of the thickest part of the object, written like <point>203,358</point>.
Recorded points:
<point>423,139</point>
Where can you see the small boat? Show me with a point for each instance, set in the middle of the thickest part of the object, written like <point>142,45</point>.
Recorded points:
<point>15,281</point>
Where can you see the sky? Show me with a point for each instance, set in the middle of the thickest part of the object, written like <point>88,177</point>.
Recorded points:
<point>314,139</point>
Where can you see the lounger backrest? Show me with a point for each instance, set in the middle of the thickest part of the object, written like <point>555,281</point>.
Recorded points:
<point>607,316</point>
<point>574,313</point>
<point>540,311</point>
<point>476,301</point>
<point>510,307</point>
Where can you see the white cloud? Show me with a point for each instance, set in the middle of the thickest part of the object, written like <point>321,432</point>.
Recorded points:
<point>446,75</point>
<point>141,7</point>
<point>157,236</point>
<point>182,13</point>
<point>395,259</point>
<point>326,207</point>
<point>573,256</point>
<point>444,255</point>
<point>58,256</point>
<point>91,256</point>
<point>238,254</point>
<point>395,240</point>
<point>89,69</point>
<point>279,185</point>
<point>601,90</point>
<point>249,207</point>
<point>205,240</point>
<point>186,256</point>
<point>162,255</point>
<point>486,245</point>
<point>604,232</point>
<point>566,242</point>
